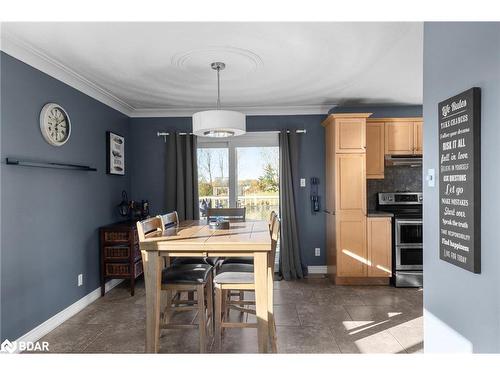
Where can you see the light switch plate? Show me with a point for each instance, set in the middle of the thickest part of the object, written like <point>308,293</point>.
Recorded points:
<point>302,182</point>
<point>317,251</point>
<point>431,177</point>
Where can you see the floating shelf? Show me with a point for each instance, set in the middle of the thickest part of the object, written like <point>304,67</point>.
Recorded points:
<point>42,164</point>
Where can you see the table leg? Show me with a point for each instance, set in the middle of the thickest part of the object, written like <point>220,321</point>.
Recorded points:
<point>260,271</point>
<point>270,303</point>
<point>153,265</point>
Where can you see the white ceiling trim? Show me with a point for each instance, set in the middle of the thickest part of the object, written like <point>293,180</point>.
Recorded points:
<point>38,60</point>
<point>264,110</point>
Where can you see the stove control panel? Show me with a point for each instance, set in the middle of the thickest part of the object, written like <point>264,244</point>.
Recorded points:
<point>406,198</point>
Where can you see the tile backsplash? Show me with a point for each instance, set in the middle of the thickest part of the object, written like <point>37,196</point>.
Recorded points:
<point>397,178</point>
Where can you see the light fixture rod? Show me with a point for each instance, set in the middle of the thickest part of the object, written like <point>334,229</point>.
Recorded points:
<point>218,87</point>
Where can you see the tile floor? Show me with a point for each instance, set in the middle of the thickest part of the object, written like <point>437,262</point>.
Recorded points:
<point>312,316</point>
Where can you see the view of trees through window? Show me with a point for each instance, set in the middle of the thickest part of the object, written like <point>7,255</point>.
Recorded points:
<point>255,175</point>
<point>258,180</point>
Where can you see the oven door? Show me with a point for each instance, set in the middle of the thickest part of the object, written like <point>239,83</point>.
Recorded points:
<point>409,232</point>
<point>409,258</point>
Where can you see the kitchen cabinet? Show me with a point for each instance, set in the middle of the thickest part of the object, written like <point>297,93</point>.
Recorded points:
<point>350,183</point>
<point>375,150</point>
<point>350,135</point>
<point>418,137</point>
<point>403,137</point>
<point>399,138</point>
<point>346,195</point>
<point>379,246</point>
<point>351,244</point>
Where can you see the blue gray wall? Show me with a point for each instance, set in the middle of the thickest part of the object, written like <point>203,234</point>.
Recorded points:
<point>51,217</point>
<point>462,309</point>
<point>381,111</point>
<point>148,168</point>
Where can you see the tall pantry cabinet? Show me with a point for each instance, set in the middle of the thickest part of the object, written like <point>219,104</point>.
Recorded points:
<point>358,245</point>
<point>346,195</point>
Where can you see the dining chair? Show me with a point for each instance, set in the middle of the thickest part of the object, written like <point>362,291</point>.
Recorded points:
<point>177,278</point>
<point>240,277</point>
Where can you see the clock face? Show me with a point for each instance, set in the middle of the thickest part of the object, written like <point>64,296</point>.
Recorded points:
<point>55,124</point>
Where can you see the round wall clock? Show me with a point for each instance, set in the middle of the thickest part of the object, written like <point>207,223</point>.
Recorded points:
<point>55,124</point>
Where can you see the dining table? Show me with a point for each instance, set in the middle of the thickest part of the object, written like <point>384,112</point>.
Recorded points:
<point>195,238</point>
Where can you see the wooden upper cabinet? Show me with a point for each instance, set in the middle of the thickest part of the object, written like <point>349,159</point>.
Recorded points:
<point>350,135</point>
<point>375,149</point>
<point>418,137</point>
<point>350,180</point>
<point>399,138</point>
<point>379,251</point>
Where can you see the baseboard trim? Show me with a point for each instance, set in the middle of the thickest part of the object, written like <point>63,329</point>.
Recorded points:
<point>50,324</point>
<point>317,269</point>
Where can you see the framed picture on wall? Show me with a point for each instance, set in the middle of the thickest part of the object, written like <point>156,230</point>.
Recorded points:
<point>115,154</point>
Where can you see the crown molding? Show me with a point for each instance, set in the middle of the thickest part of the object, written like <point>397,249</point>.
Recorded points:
<point>39,60</point>
<point>321,109</point>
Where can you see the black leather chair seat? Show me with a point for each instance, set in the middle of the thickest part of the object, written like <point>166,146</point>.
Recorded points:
<point>240,260</point>
<point>235,267</point>
<point>186,274</point>
<point>235,273</point>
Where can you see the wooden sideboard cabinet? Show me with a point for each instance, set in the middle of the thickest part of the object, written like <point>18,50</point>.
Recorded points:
<point>120,254</point>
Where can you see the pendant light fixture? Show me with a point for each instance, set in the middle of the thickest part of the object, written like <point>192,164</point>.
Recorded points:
<point>218,122</point>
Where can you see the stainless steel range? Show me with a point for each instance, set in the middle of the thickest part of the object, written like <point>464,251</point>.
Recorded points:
<point>407,236</point>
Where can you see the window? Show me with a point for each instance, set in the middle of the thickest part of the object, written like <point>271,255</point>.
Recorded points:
<point>240,172</point>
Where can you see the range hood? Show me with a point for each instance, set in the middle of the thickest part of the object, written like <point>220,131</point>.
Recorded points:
<point>403,160</point>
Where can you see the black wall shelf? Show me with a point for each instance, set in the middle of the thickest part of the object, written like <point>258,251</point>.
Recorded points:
<point>42,164</point>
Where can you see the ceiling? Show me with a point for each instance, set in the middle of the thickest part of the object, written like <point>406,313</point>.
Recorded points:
<point>162,68</point>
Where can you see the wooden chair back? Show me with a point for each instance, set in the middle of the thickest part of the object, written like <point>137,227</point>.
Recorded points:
<point>169,220</point>
<point>231,214</point>
<point>272,216</point>
<point>275,235</point>
<point>148,226</point>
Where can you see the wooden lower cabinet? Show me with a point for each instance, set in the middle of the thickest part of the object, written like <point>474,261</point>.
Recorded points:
<point>379,236</point>
<point>351,245</point>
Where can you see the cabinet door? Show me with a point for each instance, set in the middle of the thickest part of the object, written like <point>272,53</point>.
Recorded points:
<point>418,137</point>
<point>351,245</point>
<point>375,150</point>
<point>379,233</point>
<point>350,181</point>
<point>350,136</point>
<point>399,138</point>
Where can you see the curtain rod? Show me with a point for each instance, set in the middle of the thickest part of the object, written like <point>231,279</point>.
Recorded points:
<point>298,131</point>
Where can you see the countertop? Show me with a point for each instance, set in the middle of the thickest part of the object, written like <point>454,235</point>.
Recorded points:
<point>379,214</point>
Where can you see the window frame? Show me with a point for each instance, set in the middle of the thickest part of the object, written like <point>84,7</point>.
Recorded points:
<point>251,139</point>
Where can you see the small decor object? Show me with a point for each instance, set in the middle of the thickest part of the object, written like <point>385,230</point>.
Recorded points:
<point>219,224</point>
<point>219,123</point>
<point>124,206</point>
<point>115,145</point>
<point>460,180</point>
<point>55,124</point>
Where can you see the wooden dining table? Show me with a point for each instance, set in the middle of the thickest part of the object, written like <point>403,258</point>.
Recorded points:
<point>195,238</point>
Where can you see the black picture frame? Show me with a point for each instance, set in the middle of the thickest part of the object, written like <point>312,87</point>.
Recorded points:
<point>115,154</point>
<point>460,180</point>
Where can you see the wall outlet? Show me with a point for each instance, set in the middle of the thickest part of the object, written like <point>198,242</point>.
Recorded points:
<point>302,182</point>
<point>317,251</point>
<point>80,279</point>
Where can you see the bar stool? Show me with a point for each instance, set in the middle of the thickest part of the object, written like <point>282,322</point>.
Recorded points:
<point>240,277</point>
<point>195,278</point>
